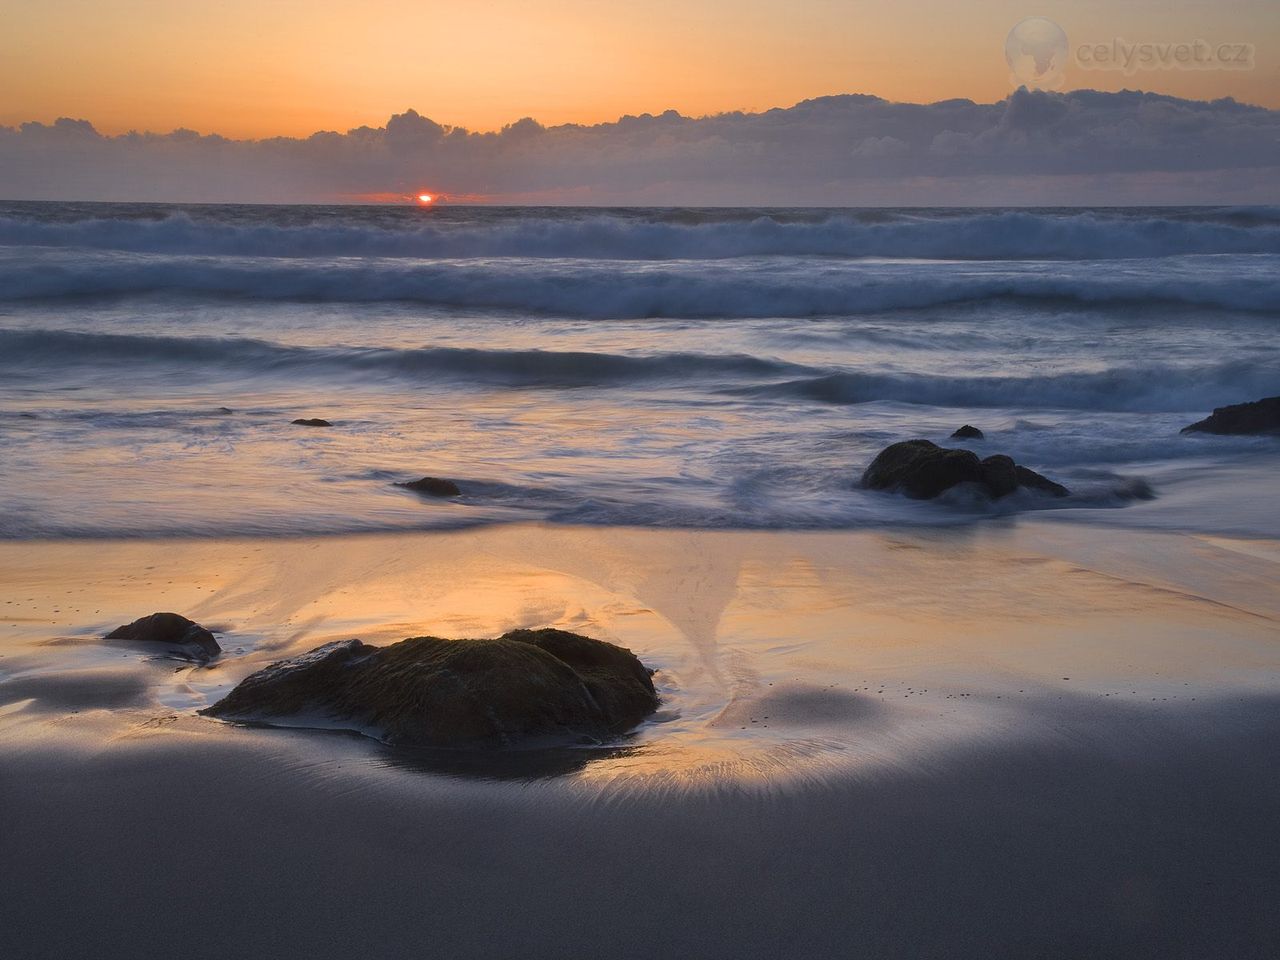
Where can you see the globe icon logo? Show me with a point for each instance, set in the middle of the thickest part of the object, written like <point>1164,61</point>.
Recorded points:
<point>1036,50</point>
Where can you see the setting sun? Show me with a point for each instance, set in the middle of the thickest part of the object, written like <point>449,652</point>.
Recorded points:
<point>426,198</point>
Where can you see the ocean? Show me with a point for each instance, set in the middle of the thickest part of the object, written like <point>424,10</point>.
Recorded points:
<point>725,368</point>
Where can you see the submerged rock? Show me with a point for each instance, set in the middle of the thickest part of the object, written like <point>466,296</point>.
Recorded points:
<point>311,422</point>
<point>999,475</point>
<point>968,432</point>
<point>539,685</point>
<point>181,636</point>
<point>432,487</point>
<point>1035,481</point>
<point>922,470</point>
<point>1260,416</point>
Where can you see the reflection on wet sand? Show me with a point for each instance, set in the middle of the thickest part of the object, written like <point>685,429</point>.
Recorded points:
<point>503,765</point>
<point>867,742</point>
<point>778,657</point>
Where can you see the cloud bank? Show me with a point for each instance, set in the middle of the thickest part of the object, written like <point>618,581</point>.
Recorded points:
<point>1084,147</point>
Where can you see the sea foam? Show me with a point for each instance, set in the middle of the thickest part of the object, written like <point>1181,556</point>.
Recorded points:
<point>696,235</point>
<point>613,289</point>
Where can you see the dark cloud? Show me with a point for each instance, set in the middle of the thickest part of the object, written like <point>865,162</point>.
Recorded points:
<point>1032,147</point>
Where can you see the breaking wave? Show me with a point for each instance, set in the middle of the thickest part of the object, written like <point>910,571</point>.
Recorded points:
<point>657,235</point>
<point>611,289</point>
<point>1153,387</point>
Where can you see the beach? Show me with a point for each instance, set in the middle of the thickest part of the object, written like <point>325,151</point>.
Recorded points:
<point>1028,712</point>
<point>1028,739</point>
<point>638,481</point>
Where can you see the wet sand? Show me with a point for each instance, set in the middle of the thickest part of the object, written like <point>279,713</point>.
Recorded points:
<point>1033,739</point>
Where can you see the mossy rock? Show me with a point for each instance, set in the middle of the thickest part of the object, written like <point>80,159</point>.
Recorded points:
<point>525,687</point>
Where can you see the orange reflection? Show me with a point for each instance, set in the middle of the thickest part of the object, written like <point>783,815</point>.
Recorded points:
<point>781,658</point>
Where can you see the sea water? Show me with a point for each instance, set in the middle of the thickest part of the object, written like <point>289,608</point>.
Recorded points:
<point>724,368</point>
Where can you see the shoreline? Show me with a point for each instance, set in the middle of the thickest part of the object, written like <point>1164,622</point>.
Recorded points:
<point>869,742</point>
<point>761,640</point>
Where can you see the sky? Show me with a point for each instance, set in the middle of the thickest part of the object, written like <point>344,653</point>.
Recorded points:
<point>258,68</point>
<point>254,70</point>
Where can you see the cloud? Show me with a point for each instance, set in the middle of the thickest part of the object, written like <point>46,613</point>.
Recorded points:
<point>874,147</point>
<point>1031,147</point>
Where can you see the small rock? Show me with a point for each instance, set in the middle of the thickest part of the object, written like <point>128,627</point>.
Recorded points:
<point>967,432</point>
<point>1035,481</point>
<point>921,469</point>
<point>432,487</point>
<point>1260,416</point>
<point>999,475</point>
<point>311,422</point>
<point>180,635</point>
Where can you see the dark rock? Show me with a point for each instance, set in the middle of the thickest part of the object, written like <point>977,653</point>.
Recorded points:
<point>1260,416</point>
<point>999,475</point>
<point>224,410</point>
<point>922,470</point>
<point>1035,481</point>
<point>312,422</point>
<point>180,635</point>
<point>432,487</point>
<point>1133,488</point>
<point>967,433</point>
<point>527,685</point>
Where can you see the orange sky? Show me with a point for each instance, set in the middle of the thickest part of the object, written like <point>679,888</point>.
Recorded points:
<point>251,68</point>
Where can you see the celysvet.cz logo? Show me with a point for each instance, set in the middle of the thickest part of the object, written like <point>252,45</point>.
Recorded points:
<point>1130,56</point>
<point>1039,54</point>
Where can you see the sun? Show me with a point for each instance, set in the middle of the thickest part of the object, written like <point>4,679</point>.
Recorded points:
<point>426,198</point>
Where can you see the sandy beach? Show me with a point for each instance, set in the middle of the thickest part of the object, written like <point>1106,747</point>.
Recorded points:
<point>624,481</point>
<point>1017,739</point>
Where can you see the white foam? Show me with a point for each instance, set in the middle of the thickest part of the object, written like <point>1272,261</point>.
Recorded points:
<point>743,288</point>
<point>659,235</point>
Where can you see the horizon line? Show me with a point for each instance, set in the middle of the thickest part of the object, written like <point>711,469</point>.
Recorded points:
<point>406,203</point>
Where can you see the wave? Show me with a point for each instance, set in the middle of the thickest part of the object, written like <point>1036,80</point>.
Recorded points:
<point>747,288</point>
<point>1151,387</point>
<point>844,509</point>
<point>1155,387</point>
<point>654,235</point>
<point>24,349</point>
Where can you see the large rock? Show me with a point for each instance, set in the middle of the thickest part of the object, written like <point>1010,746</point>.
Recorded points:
<point>311,422</point>
<point>921,469</point>
<point>1261,416</point>
<point>967,432</point>
<point>527,685</point>
<point>173,631</point>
